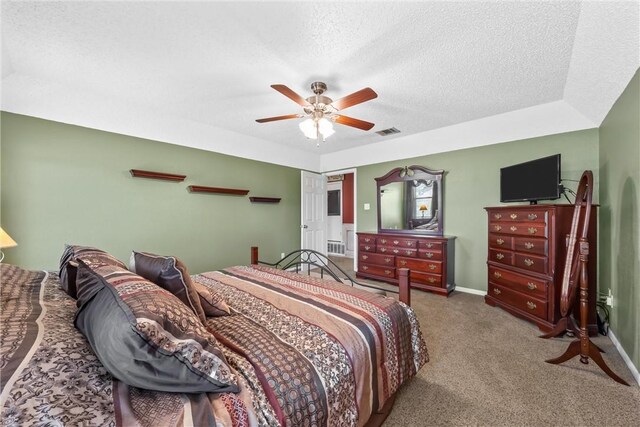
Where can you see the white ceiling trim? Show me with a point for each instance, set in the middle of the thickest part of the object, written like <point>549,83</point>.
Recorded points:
<point>31,97</point>
<point>548,119</point>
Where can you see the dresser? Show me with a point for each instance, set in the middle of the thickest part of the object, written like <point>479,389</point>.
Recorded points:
<point>429,258</point>
<point>526,256</point>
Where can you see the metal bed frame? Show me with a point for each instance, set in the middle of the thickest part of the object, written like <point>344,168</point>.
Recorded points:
<point>308,259</point>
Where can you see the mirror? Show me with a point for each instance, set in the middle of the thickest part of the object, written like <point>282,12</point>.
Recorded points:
<point>410,201</point>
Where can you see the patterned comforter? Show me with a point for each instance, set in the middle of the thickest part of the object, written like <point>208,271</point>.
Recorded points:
<point>305,351</point>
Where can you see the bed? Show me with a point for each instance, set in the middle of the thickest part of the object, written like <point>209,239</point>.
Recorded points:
<point>305,351</point>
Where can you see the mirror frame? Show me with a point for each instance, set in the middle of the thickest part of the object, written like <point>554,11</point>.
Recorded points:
<point>419,172</point>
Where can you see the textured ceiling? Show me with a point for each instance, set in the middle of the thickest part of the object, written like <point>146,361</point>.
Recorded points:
<point>208,66</point>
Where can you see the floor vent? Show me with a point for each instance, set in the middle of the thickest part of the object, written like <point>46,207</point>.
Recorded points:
<point>389,131</point>
<point>335,248</point>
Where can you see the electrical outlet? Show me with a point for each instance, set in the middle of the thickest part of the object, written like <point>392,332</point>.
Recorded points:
<point>609,301</point>
<point>282,255</point>
<point>367,206</point>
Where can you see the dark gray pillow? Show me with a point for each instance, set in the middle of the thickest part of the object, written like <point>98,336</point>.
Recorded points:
<point>69,264</point>
<point>145,337</point>
<point>171,274</point>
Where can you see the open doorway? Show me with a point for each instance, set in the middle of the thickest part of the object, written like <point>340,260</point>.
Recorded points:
<point>341,224</point>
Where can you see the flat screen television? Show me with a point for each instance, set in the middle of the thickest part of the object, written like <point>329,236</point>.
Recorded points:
<point>531,181</point>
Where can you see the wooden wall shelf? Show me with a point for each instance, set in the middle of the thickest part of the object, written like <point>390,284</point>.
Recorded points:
<point>217,190</point>
<point>264,199</point>
<point>137,173</point>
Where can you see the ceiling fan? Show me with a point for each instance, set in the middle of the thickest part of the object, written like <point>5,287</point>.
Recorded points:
<point>321,111</point>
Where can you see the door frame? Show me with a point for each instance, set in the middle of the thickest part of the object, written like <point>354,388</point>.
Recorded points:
<point>354,171</point>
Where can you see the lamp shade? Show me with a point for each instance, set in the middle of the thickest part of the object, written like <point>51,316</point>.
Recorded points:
<point>5,240</point>
<point>423,207</point>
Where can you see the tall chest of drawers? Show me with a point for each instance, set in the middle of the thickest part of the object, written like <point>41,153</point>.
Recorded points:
<point>526,256</point>
<point>430,259</point>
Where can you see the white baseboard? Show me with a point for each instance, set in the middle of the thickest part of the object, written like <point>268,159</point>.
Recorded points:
<point>625,356</point>
<point>470,291</point>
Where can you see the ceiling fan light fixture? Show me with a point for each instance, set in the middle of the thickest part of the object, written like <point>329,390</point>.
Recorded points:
<point>325,127</point>
<point>308,128</point>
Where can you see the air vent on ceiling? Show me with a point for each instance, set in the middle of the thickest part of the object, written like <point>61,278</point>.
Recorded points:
<point>389,131</point>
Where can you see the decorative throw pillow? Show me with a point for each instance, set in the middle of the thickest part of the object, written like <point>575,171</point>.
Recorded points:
<point>212,302</point>
<point>171,274</point>
<point>145,336</point>
<point>69,264</point>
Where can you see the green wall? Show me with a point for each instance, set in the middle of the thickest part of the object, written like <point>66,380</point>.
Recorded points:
<point>619,223</point>
<point>68,184</point>
<point>472,182</point>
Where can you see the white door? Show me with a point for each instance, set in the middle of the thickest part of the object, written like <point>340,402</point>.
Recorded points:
<point>314,212</point>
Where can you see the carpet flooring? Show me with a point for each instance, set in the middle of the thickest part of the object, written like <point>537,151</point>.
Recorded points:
<point>487,368</point>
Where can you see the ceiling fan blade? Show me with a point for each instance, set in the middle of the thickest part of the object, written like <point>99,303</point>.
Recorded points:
<point>355,123</point>
<point>273,119</point>
<point>291,95</point>
<point>355,98</point>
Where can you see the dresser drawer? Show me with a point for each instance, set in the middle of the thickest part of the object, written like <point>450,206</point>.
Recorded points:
<point>502,256</point>
<point>367,247</point>
<point>391,250</point>
<point>518,282</point>
<point>431,254</point>
<point>434,267</point>
<point>500,241</point>
<point>531,245</point>
<point>377,270</point>
<point>531,262</point>
<point>397,242</point>
<point>366,239</point>
<point>379,259</point>
<point>427,279</point>
<point>525,303</point>
<point>519,229</point>
<point>430,244</point>
<point>519,216</point>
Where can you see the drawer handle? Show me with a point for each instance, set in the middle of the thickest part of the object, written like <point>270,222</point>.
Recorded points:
<point>365,257</point>
<point>409,243</point>
<point>429,254</point>
<point>532,230</point>
<point>408,252</point>
<point>497,216</point>
<point>529,262</point>
<point>431,280</point>
<point>513,228</point>
<point>500,241</point>
<point>364,267</point>
<point>395,242</point>
<point>532,216</point>
<point>496,291</point>
<point>367,240</point>
<point>383,250</point>
<point>429,245</point>
<point>432,267</point>
<point>395,251</point>
<point>499,255</point>
<point>531,305</point>
<point>528,245</point>
<point>387,260</point>
<point>366,248</point>
<point>403,262</point>
<point>383,241</point>
<point>497,275</point>
<point>387,272</point>
<point>513,216</point>
<point>498,228</point>
<point>531,286</point>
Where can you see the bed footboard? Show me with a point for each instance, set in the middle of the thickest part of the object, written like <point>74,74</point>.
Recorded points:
<point>310,258</point>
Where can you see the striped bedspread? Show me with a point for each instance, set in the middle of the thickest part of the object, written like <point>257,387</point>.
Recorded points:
<point>305,351</point>
<point>325,353</point>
